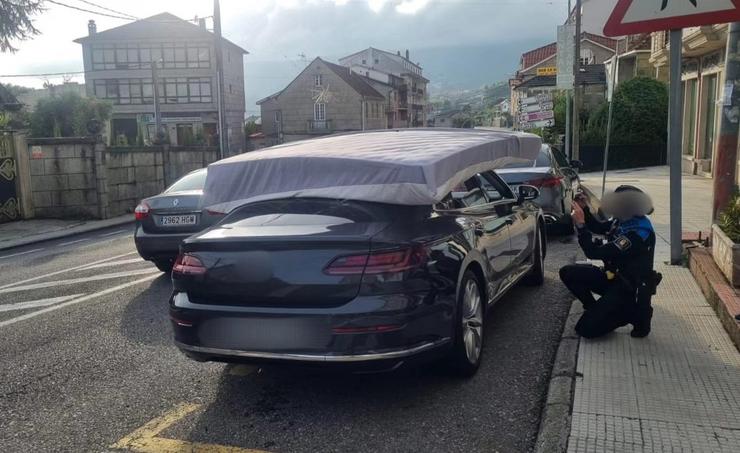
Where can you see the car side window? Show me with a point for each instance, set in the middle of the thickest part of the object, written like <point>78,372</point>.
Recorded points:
<point>560,158</point>
<point>467,194</point>
<point>495,187</point>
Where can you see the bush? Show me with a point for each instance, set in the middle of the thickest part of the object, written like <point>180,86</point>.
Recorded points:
<point>640,115</point>
<point>729,220</point>
<point>67,115</point>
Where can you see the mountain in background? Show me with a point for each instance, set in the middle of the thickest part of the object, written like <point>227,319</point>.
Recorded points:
<point>450,70</point>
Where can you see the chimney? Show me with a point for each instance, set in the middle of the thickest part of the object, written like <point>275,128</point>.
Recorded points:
<point>202,23</point>
<point>407,54</point>
<point>91,27</point>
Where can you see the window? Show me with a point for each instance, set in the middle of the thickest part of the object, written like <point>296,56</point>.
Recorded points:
<point>691,100</point>
<point>277,117</point>
<point>466,195</point>
<point>377,61</point>
<point>317,80</point>
<point>140,56</point>
<point>495,187</point>
<point>319,112</point>
<point>543,160</point>
<point>192,181</point>
<point>140,91</point>
<point>364,61</point>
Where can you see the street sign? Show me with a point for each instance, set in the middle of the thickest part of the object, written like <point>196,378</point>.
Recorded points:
<point>547,71</point>
<point>643,16</point>
<point>566,39</point>
<point>537,107</point>
<point>536,116</point>
<point>538,124</point>
<point>539,99</point>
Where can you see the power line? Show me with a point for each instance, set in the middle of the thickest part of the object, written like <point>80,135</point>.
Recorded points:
<point>108,9</point>
<point>46,74</point>
<point>87,10</point>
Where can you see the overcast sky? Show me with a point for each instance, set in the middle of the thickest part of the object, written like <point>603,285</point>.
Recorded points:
<point>286,30</point>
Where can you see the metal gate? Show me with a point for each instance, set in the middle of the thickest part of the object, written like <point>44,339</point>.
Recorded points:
<point>9,207</point>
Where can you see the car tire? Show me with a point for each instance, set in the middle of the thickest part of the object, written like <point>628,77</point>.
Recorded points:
<point>164,265</point>
<point>467,350</point>
<point>536,275</point>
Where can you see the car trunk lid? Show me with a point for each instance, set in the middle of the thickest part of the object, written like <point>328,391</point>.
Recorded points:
<point>174,212</point>
<point>277,255</point>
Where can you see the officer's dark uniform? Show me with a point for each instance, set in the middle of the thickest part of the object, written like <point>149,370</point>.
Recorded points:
<point>626,283</point>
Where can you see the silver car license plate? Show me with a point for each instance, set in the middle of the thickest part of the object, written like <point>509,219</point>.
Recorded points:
<point>178,220</point>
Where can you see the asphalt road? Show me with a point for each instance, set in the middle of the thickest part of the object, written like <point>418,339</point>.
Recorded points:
<point>87,364</point>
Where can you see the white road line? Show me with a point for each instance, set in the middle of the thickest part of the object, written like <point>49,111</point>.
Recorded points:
<point>51,274</point>
<point>38,303</point>
<point>74,281</point>
<point>20,253</point>
<point>76,301</point>
<point>113,232</point>
<point>73,242</point>
<point>111,264</point>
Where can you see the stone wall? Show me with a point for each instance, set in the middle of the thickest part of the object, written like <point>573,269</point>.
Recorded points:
<point>63,183</point>
<point>77,178</point>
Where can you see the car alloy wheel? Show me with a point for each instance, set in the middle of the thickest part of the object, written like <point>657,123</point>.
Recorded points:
<point>472,320</point>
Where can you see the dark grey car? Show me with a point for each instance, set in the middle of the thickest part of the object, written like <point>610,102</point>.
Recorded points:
<point>555,177</point>
<point>356,283</point>
<point>165,220</point>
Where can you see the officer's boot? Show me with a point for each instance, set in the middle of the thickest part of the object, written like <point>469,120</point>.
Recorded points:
<point>641,324</point>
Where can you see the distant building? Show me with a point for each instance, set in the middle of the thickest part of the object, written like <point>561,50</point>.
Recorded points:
<point>402,78</point>
<point>323,99</point>
<point>118,68</point>
<point>704,50</point>
<point>449,118</point>
<point>537,70</point>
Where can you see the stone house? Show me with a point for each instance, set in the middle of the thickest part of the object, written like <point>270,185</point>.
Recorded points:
<point>118,68</point>
<point>407,107</point>
<point>702,78</point>
<point>324,98</point>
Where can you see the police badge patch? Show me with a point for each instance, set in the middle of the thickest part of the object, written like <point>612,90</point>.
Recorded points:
<point>623,243</point>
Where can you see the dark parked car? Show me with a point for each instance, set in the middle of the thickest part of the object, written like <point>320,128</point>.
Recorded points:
<point>165,220</point>
<point>365,284</point>
<point>555,177</point>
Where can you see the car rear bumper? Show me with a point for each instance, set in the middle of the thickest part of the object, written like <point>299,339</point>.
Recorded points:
<point>158,246</point>
<point>341,336</point>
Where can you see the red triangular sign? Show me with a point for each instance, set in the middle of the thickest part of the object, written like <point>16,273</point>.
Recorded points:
<point>643,16</point>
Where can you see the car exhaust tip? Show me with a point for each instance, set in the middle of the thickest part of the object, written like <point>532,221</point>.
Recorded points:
<point>550,219</point>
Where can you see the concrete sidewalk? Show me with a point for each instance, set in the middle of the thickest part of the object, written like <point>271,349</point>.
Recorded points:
<point>25,232</point>
<point>678,389</point>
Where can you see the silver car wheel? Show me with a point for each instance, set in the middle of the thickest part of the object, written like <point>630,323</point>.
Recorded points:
<point>472,320</point>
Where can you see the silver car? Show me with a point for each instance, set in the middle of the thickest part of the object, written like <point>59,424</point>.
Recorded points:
<point>555,177</point>
<point>165,220</point>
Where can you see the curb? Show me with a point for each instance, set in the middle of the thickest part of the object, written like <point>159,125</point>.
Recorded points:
<point>71,231</point>
<point>556,415</point>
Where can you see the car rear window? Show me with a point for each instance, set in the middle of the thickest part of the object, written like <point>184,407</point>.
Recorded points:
<point>192,181</point>
<point>543,160</point>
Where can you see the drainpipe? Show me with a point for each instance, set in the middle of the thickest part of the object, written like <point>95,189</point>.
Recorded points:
<point>362,113</point>
<point>725,165</point>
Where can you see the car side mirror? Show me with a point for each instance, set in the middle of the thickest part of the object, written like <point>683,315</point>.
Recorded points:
<point>577,164</point>
<point>527,193</point>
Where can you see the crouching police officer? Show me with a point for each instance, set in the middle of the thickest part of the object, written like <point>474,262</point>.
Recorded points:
<point>627,281</point>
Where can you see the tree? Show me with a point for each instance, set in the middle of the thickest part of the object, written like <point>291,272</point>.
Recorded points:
<point>640,115</point>
<point>67,115</point>
<point>16,22</point>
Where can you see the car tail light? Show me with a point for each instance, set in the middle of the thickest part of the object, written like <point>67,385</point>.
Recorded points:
<point>378,262</point>
<point>550,181</point>
<point>215,213</point>
<point>142,211</point>
<point>187,264</point>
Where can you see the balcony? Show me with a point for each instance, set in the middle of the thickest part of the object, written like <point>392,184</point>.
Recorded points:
<point>319,127</point>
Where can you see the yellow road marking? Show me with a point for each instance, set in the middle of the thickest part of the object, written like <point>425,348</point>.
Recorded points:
<point>144,439</point>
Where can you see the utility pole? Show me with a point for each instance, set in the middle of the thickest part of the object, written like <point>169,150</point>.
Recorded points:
<point>158,134</point>
<point>615,68</point>
<point>576,154</point>
<point>675,134</point>
<point>223,142</point>
<point>725,164</point>
<point>568,151</point>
